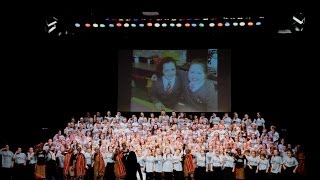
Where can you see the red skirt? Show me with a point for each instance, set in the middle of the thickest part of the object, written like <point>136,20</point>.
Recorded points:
<point>40,172</point>
<point>239,173</point>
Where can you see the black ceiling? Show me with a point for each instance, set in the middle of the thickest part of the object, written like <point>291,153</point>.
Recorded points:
<point>277,13</point>
<point>172,7</point>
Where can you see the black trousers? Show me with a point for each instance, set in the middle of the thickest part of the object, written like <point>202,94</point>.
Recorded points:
<point>6,173</point>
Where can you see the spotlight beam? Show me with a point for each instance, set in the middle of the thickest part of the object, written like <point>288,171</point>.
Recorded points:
<point>52,28</point>
<point>53,23</point>
<point>298,20</point>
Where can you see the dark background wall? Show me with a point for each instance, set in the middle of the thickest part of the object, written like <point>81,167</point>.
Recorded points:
<point>52,79</point>
<point>270,73</point>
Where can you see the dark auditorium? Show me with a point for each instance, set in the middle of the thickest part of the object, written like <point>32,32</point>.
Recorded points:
<point>161,91</point>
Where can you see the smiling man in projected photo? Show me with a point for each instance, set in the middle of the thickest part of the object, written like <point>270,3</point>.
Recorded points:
<point>166,90</point>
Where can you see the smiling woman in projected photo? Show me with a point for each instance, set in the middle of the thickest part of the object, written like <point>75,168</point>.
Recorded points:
<point>199,93</point>
<point>166,90</point>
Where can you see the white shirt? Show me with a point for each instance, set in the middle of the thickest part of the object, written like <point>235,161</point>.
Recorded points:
<point>140,160</point>
<point>149,163</point>
<point>167,163</point>
<point>216,161</point>
<point>158,163</point>
<point>259,121</point>
<point>252,161</point>
<point>32,158</point>
<point>215,120</point>
<point>209,156</point>
<point>229,161</point>
<point>276,162</point>
<point>290,161</point>
<point>177,165</point>
<point>227,122</point>
<point>237,120</point>
<point>109,156</point>
<point>51,156</point>
<point>20,158</point>
<point>263,164</point>
<point>275,135</point>
<point>61,157</point>
<point>201,160</point>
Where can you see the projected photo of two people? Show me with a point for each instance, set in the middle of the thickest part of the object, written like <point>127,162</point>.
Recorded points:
<point>178,83</point>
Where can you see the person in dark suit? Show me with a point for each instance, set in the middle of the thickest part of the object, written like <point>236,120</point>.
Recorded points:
<point>167,88</point>
<point>132,167</point>
<point>199,93</point>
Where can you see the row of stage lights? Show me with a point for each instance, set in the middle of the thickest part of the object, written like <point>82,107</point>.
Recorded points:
<point>157,25</point>
<point>187,23</point>
<point>295,23</point>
